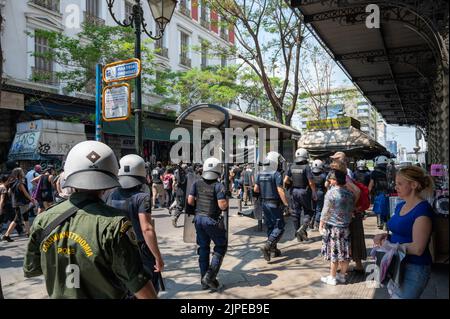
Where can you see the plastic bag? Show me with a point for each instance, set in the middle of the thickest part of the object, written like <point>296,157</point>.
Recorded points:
<point>389,259</point>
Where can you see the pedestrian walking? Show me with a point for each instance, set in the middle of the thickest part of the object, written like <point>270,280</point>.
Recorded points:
<point>334,226</point>
<point>181,182</point>
<point>44,189</point>
<point>20,199</point>
<point>157,184</point>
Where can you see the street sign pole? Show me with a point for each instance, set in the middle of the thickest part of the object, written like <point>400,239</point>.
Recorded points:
<point>98,103</point>
<point>138,88</point>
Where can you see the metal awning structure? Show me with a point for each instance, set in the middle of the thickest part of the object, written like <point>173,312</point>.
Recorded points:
<point>323,143</point>
<point>215,115</point>
<point>394,66</point>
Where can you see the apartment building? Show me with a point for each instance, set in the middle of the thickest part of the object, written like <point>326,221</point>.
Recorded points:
<point>342,102</point>
<point>25,99</point>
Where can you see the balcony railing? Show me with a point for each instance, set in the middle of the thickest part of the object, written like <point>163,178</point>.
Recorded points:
<point>184,10</point>
<point>224,34</point>
<point>204,23</point>
<point>92,19</point>
<point>44,76</point>
<point>164,52</point>
<point>184,60</point>
<point>52,5</point>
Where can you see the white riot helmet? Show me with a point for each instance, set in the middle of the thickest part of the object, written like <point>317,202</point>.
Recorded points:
<point>361,165</point>
<point>211,169</point>
<point>273,161</point>
<point>381,160</point>
<point>301,155</point>
<point>132,171</point>
<point>317,166</point>
<point>91,165</point>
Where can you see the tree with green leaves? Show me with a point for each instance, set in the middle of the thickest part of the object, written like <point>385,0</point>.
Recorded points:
<point>270,36</point>
<point>316,79</point>
<point>94,44</point>
<point>215,85</point>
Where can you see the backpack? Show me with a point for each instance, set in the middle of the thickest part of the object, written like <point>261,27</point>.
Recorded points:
<point>364,198</point>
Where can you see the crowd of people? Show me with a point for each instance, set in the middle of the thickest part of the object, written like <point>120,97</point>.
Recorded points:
<point>324,196</point>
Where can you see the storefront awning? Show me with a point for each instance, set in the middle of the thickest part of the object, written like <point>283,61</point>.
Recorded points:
<point>350,140</point>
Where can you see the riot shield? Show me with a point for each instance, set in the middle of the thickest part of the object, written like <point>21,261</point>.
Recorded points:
<point>189,233</point>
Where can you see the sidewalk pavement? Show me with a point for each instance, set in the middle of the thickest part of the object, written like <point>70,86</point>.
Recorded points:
<point>244,273</point>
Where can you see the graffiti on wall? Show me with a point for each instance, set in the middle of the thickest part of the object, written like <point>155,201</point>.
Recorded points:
<point>25,142</point>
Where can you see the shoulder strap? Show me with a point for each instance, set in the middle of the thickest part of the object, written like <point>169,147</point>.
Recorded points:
<point>62,218</point>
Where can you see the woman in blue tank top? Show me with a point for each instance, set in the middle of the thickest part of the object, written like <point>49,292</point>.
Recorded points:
<point>411,225</point>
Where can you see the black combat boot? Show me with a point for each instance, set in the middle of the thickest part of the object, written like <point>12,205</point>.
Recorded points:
<point>209,279</point>
<point>266,250</point>
<point>275,251</point>
<point>301,233</point>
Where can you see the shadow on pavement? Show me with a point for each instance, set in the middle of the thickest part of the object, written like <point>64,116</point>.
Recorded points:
<point>9,262</point>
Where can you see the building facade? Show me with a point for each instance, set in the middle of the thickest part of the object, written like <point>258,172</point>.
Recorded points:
<point>24,99</point>
<point>342,102</point>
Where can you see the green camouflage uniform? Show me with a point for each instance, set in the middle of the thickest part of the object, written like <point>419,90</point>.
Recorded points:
<point>98,240</point>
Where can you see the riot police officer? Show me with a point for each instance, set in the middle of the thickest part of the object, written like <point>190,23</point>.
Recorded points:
<point>136,204</point>
<point>379,186</point>
<point>84,248</point>
<point>319,177</point>
<point>181,182</point>
<point>301,178</point>
<point>269,187</point>
<point>209,196</point>
<point>362,173</point>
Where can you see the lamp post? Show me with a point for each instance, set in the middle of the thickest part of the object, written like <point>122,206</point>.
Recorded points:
<point>162,11</point>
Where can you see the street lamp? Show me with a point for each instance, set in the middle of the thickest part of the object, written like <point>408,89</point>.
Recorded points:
<point>162,11</point>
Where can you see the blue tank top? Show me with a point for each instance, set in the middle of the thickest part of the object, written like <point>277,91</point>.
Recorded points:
<point>402,229</point>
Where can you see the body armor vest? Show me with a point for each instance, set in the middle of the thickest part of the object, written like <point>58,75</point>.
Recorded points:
<point>207,199</point>
<point>299,179</point>
<point>360,176</point>
<point>319,180</point>
<point>268,187</point>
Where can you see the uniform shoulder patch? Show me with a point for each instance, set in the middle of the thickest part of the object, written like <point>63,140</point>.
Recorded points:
<point>126,224</point>
<point>127,229</point>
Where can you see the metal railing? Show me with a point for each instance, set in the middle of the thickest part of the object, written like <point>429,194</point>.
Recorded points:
<point>44,76</point>
<point>224,34</point>
<point>164,52</point>
<point>204,23</point>
<point>52,5</point>
<point>184,60</point>
<point>184,10</point>
<point>161,50</point>
<point>92,19</point>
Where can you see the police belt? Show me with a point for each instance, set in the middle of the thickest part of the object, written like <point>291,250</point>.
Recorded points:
<point>271,201</point>
<point>215,216</point>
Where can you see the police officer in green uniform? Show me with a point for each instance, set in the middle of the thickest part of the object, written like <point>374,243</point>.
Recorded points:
<point>84,248</point>
<point>136,204</point>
